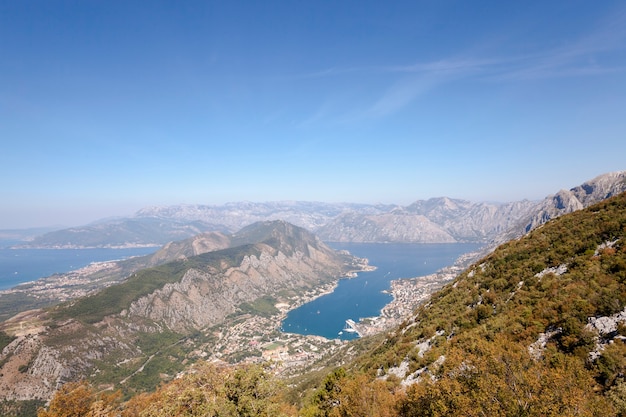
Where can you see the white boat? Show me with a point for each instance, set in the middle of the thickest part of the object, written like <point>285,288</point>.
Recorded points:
<point>350,326</point>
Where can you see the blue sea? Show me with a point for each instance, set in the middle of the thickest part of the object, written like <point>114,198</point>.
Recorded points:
<point>23,265</point>
<point>363,296</point>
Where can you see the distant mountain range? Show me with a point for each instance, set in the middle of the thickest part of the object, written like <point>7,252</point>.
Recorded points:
<point>436,220</point>
<point>121,233</point>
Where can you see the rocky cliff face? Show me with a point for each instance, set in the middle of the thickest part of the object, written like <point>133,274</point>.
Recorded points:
<point>397,226</point>
<point>467,221</point>
<point>43,357</point>
<point>438,220</point>
<point>287,257</point>
<point>568,201</point>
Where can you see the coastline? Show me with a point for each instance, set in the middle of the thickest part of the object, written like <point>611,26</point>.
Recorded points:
<point>409,293</point>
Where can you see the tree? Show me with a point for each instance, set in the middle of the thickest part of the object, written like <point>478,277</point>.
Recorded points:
<point>499,378</point>
<point>77,399</point>
<point>362,397</point>
<point>326,398</point>
<point>212,391</point>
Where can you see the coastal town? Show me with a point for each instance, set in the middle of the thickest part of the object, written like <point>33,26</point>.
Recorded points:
<point>69,285</point>
<point>256,339</point>
<point>253,338</point>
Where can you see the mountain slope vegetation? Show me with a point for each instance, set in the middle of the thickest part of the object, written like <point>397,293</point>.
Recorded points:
<point>513,335</point>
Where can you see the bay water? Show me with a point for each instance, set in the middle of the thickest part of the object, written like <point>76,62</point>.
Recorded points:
<point>18,266</point>
<point>363,296</point>
<point>353,298</point>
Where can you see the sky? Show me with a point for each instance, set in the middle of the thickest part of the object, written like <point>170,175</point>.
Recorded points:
<point>110,106</point>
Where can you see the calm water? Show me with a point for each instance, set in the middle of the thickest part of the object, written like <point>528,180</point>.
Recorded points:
<point>362,296</point>
<point>23,265</point>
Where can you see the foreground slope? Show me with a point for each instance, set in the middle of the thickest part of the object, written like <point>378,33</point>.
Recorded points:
<point>156,313</point>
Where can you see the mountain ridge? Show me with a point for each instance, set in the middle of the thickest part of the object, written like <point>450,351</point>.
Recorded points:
<point>110,331</point>
<point>436,220</point>
<point>566,201</point>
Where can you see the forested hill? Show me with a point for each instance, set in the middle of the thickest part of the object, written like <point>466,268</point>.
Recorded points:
<point>535,329</point>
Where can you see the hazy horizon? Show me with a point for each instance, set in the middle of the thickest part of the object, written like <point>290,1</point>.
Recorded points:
<point>123,215</point>
<point>108,107</point>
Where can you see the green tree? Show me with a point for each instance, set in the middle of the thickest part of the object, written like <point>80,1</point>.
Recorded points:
<point>327,398</point>
<point>212,391</point>
<point>77,399</point>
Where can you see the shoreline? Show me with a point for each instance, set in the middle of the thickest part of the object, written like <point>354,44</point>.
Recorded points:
<point>409,293</point>
<point>36,284</point>
<point>79,247</point>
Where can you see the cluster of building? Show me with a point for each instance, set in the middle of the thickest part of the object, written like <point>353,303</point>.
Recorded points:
<point>69,285</point>
<point>256,339</point>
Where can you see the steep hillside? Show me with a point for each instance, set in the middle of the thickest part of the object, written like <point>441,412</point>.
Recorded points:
<point>158,314</point>
<point>535,328</point>
<point>567,201</point>
<point>51,290</point>
<point>397,226</point>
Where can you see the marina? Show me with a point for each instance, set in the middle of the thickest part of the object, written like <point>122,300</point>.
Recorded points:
<point>350,327</point>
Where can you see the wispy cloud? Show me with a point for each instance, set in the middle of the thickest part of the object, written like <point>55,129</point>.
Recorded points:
<point>420,79</point>
<point>589,55</point>
<point>402,93</point>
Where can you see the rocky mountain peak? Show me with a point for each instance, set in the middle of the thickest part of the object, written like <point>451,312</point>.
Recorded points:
<point>196,245</point>
<point>566,201</point>
<point>579,197</point>
<point>284,235</point>
<point>600,188</point>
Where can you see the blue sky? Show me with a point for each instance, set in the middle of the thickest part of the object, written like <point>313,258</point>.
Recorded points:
<point>110,106</point>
